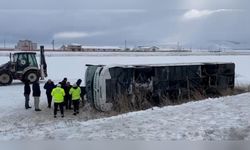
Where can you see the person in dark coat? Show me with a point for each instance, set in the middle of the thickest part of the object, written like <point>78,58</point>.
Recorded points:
<point>63,82</point>
<point>27,93</point>
<point>67,97</point>
<point>36,94</point>
<point>49,86</point>
<point>78,82</point>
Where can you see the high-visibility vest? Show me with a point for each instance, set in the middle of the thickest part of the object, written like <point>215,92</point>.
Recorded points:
<point>58,94</point>
<point>75,92</point>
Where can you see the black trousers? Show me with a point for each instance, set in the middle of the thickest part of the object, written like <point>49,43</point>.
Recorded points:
<point>49,99</point>
<point>56,107</point>
<point>76,105</point>
<point>67,101</point>
<point>27,99</point>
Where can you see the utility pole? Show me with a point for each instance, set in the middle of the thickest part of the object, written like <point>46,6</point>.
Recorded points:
<point>125,44</point>
<point>53,44</point>
<point>4,43</point>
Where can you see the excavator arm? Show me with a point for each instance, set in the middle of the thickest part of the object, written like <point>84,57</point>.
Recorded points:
<point>43,64</point>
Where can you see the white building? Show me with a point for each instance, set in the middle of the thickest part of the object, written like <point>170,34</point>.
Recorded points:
<point>146,48</point>
<point>78,47</point>
<point>26,45</point>
<point>72,47</point>
<point>101,49</point>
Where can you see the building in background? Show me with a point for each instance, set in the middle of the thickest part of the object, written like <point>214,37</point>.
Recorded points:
<point>101,49</point>
<point>72,47</point>
<point>146,48</point>
<point>78,47</point>
<point>26,45</point>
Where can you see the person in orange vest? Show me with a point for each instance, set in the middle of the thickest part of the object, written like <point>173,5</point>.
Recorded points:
<point>58,98</point>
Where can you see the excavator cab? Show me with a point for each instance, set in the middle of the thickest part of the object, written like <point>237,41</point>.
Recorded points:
<point>23,66</point>
<point>24,60</point>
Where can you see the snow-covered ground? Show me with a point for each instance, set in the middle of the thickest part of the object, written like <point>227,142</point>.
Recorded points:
<point>225,118</point>
<point>211,119</point>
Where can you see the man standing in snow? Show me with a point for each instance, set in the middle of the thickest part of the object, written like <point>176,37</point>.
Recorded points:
<point>63,83</point>
<point>49,85</point>
<point>75,91</point>
<point>67,97</point>
<point>78,83</point>
<point>27,93</point>
<point>58,97</point>
<point>36,95</point>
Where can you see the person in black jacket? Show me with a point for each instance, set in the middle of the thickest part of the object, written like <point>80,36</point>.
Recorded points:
<point>49,86</point>
<point>67,97</point>
<point>63,82</point>
<point>27,93</point>
<point>36,95</point>
<point>78,82</point>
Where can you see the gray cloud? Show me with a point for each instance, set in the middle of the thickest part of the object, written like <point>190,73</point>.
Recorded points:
<point>140,22</point>
<point>121,4</point>
<point>196,14</point>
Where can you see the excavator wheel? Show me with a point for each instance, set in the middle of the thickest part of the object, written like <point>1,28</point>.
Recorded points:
<point>5,78</point>
<point>32,76</point>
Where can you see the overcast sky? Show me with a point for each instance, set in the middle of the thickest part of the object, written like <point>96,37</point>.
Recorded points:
<point>111,22</point>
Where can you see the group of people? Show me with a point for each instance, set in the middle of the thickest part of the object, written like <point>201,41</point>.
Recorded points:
<point>62,94</point>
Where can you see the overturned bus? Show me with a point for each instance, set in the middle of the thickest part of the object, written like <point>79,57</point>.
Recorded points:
<point>137,87</point>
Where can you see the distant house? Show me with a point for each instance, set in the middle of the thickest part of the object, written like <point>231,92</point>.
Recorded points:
<point>26,45</point>
<point>72,47</point>
<point>146,48</point>
<point>101,49</point>
<point>78,47</point>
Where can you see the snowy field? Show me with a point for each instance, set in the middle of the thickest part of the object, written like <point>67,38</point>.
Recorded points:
<point>225,118</point>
